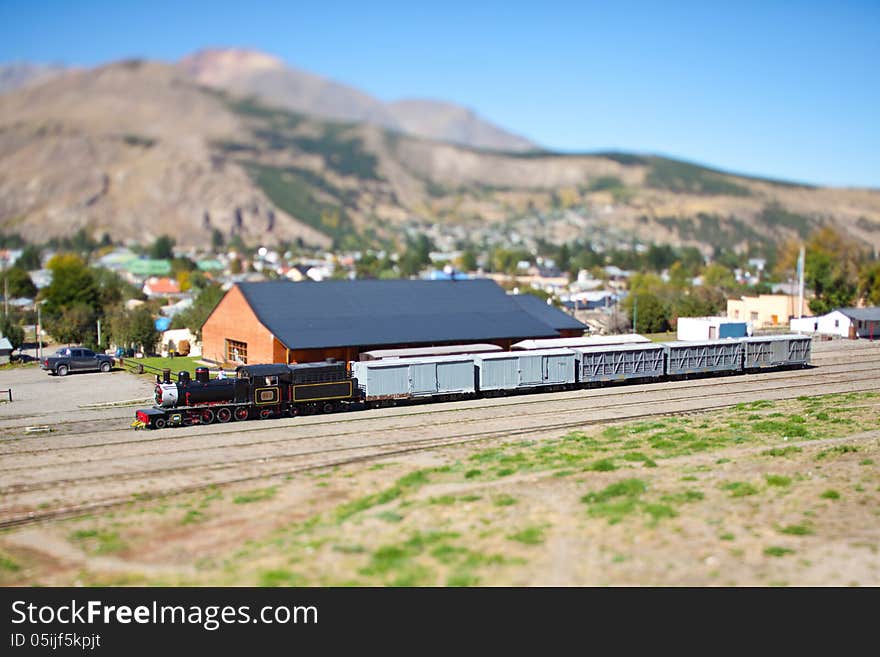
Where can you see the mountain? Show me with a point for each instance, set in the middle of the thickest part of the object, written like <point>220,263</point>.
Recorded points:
<point>20,74</point>
<point>253,73</point>
<point>138,149</point>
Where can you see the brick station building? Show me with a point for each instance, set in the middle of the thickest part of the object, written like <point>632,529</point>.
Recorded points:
<point>287,322</point>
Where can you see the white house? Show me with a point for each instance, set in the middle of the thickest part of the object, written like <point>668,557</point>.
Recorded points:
<point>172,337</point>
<point>844,322</point>
<point>711,328</point>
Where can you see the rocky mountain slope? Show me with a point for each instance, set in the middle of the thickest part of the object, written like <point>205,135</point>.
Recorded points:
<point>248,72</point>
<point>138,149</point>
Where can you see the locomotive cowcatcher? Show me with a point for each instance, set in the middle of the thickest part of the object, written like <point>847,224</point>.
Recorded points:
<point>256,391</point>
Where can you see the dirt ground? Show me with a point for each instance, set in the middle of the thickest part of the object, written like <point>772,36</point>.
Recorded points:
<point>764,480</point>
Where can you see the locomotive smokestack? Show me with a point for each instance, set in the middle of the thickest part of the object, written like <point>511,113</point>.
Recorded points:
<point>166,376</point>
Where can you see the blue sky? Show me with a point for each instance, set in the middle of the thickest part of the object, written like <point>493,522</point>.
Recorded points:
<point>783,89</point>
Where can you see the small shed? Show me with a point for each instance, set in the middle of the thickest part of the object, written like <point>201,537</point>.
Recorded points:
<point>697,329</point>
<point>5,350</point>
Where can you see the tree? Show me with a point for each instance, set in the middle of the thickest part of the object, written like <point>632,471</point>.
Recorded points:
<point>75,324</point>
<point>652,316</point>
<point>162,248</point>
<point>416,256</point>
<point>73,284</point>
<point>133,328</point>
<point>468,260</point>
<point>718,276</point>
<point>194,316</point>
<point>217,240</point>
<point>12,331</point>
<point>869,284</point>
<point>831,269</point>
<point>29,258</point>
<point>19,283</point>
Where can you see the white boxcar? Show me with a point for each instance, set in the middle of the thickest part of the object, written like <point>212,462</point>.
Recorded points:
<point>703,357</point>
<point>525,369</point>
<point>620,362</point>
<point>415,377</point>
<point>776,351</point>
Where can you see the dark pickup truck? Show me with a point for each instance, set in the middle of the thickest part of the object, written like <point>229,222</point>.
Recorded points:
<point>76,359</point>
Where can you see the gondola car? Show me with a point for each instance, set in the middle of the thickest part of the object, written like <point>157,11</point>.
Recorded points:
<point>256,391</point>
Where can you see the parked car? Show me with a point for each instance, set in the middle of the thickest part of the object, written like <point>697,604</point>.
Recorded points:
<point>76,359</point>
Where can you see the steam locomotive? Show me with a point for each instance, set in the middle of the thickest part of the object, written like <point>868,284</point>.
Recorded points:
<point>256,391</point>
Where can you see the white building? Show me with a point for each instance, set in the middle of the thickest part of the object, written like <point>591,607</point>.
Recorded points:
<point>696,329</point>
<point>172,337</point>
<point>843,322</point>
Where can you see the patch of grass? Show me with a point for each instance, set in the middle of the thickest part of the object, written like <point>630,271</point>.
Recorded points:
<point>470,498</point>
<point>390,516</point>
<point>624,488</point>
<point>683,498</point>
<point>280,577</point>
<point>866,462</point>
<point>802,529</point>
<point>98,541</point>
<point>727,537</point>
<point>777,427</point>
<point>639,457</point>
<point>659,511</point>
<point>504,500</point>
<point>345,511</point>
<point>8,564</point>
<point>602,465</point>
<point>192,516</point>
<point>689,478</point>
<point>830,494</point>
<point>257,495</point>
<point>778,480</point>
<point>740,488</point>
<point>776,551</point>
<point>462,578</point>
<point>504,472</point>
<point>443,500</point>
<point>529,536</point>
<point>414,479</point>
<point>470,474</point>
<point>782,451</point>
<point>838,450</point>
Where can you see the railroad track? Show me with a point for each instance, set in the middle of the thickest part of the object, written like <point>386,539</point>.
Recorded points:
<point>88,426</point>
<point>237,445</point>
<point>375,451</point>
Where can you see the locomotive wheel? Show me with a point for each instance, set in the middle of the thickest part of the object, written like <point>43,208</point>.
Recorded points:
<point>328,407</point>
<point>265,413</point>
<point>241,413</point>
<point>160,423</point>
<point>207,416</point>
<point>224,415</point>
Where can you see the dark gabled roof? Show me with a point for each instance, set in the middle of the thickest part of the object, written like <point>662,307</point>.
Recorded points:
<point>550,315</point>
<point>312,315</point>
<point>865,314</point>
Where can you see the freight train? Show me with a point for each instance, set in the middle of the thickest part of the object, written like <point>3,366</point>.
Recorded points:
<point>278,390</point>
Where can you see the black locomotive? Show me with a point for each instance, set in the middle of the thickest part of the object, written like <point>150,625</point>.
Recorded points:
<point>256,391</point>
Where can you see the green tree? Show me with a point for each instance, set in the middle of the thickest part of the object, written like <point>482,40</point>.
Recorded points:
<point>19,283</point>
<point>75,324</point>
<point>831,269</point>
<point>217,240</point>
<point>869,284</point>
<point>162,248</point>
<point>12,331</point>
<point>30,258</point>
<point>416,256</point>
<point>468,260</point>
<point>133,328</point>
<point>194,316</point>
<point>652,315</point>
<point>720,277</point>
<point>73,284</point>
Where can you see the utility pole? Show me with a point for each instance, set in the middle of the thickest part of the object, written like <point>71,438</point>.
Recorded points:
<point>99,334</point>
<point>635,311</point>
<point>800,266</point>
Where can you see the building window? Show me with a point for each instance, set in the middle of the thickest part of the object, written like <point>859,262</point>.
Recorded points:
<point>236,351</point>
<point>754,316</point>
<point>836,323</point>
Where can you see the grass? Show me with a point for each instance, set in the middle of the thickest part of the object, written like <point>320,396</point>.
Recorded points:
<point>782,451</point>
<point>504,500</point>
<point>776,551</point>
<point>802,529</point>
<point>778,480</point>
<point>257,495</point>
<point>274,578</point>
<point>177,364</point>
<point>830,494</point>
<point>98,541</point>
<point>740,489</point>
<point>529,536</point>
<point>8,564</point>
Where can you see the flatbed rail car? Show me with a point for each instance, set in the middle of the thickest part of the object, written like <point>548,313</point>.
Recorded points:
<point>274,390</point>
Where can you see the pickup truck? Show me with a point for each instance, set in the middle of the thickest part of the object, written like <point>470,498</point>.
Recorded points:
<point>76,359</point>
